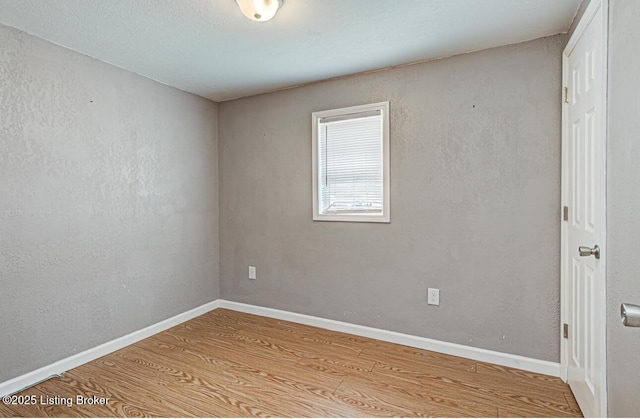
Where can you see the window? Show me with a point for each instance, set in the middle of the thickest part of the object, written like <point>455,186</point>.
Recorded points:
<point>351,164</point>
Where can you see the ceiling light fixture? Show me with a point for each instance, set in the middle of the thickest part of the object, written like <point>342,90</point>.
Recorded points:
<point>259,10</point>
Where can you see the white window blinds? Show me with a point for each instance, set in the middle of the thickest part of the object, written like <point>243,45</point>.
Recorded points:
<point>351,163</point>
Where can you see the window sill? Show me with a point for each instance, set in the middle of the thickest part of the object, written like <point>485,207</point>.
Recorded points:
<point>353,218</point>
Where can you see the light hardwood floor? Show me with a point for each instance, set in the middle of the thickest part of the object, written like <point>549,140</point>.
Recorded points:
<point>226,363</point>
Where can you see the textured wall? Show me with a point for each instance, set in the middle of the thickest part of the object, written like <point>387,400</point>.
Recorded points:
<point>108,202</point>
<point>475,178</point>
<point>623,207</point>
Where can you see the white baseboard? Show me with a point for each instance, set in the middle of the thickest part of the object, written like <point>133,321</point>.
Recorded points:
<point>515,361</point>
<point>477,354</point>
<point>29,379</point>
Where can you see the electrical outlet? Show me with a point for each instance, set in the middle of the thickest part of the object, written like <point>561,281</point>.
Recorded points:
<point>433,296</point>
<point>252,272</point>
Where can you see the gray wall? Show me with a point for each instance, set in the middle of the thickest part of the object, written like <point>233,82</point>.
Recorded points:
<point>475,178</point>
<point>623,207</point>
<point>108,202</point>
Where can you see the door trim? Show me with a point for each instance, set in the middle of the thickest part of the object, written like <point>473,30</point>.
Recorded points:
<point>585,21</point>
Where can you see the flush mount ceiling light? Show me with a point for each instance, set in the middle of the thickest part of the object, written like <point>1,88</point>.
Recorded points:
<point>259,10</point>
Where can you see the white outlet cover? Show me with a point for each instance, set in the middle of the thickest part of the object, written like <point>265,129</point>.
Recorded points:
<point>433,296</point>
<point>252,272</point>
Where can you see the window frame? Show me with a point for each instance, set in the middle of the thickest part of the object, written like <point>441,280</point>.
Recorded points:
<point>316,117</point>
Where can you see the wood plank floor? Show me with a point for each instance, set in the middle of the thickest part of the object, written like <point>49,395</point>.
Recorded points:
<point>231,364</point>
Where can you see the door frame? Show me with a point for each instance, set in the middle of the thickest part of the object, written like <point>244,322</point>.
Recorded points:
<point>586,19</point>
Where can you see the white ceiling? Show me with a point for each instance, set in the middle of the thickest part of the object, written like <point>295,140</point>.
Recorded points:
<point>209,48</point>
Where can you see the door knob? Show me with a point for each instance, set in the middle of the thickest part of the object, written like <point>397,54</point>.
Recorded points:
<point>587,251</point>
<point>630,315</point>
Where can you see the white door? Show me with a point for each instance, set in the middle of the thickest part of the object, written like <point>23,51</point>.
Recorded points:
<point>584,150</point>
